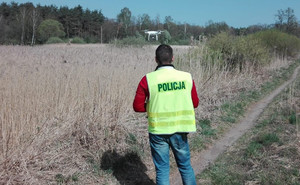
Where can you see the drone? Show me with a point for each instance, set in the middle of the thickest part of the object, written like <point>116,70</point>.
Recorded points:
<point>153,33</point>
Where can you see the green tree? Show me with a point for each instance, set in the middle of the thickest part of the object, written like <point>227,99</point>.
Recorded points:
<point>22,19</point>
<point>65,18</point>
<point>34,19</point>
<point>286,21</point>
<point>169,22</point>
<point>97,19</point>
<point>124,18</point>
<point>172,27</point>
<point>213,28</point>
<point>76,21</point>
<point>50,28</point>
<point>145,22</point>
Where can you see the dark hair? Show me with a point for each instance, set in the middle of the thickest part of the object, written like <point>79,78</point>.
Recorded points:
<point>164,54</point>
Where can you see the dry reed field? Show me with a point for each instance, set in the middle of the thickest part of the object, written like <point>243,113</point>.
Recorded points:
<point>63,106</point>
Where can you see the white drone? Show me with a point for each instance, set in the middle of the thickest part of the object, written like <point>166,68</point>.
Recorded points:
<point>153,33</point>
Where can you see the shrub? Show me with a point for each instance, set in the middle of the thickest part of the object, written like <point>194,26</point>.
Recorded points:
<point>53,40</point>
<point>11,42</point>
<point>239,51</point>
<point>91,39</point>
<point>77,40</point>
<point>279,43</point>
<point>251,50</point>
<point>165,37</point>
<point>50,28</point>
<point>267,139</point>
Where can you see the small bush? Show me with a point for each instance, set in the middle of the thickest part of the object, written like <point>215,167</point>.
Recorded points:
<point>11,42</point>
<point>267,139</point>
<point>54,40</point>
<point>77,40</point>
<point>91,39</point>
<point>50,28</point>
<point>253,149</point>
<point>59,178</point>
<point>131,139</point>
<point>251,50</point>
<point>293,118</point>
<point>206,129</point>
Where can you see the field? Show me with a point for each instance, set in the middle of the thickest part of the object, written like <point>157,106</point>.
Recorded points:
<point>65,107</point>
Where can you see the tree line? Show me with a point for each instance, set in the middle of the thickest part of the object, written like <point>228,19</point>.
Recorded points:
<point>21,23</point>
<point>27,24</point>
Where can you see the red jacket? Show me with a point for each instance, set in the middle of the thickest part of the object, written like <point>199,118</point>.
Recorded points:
<point>142,93</point>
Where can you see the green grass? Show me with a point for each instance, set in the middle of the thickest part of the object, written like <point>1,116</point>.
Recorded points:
<point>267,139</point>
<point>206,132</point>
<point>61,179</point>
<point>292,118</point>
<point>232,111</point>
<point>197,143</point>
<point>253,149</point>
<point>221,176</point>
<point>131,139</point>
<point>134,145</point>
<point>95,165</point>
<point>206,129</point>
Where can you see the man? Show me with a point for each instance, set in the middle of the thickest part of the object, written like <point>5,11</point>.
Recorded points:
<point>170,97</point>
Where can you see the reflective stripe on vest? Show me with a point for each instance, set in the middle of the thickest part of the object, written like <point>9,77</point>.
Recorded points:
<point>170,108</point>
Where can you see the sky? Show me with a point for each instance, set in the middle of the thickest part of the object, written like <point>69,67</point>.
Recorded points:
<point>236,13</point>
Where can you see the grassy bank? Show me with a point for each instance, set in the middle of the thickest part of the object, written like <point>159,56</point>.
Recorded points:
<point>232,111</point>
<point>270,152</point>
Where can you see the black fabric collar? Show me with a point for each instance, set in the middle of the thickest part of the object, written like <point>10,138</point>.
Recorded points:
<point>163,65</point>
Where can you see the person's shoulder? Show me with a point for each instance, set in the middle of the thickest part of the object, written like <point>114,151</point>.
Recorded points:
<point>150,73</point>
<point>183,72</point>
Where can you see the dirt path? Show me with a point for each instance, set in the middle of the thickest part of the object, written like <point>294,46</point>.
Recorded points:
<point>208,156</point>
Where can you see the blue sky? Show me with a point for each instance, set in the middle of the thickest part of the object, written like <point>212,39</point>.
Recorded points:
<point>236,13</point>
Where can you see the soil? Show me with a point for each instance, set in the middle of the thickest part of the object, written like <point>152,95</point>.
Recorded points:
<point>200,161</point>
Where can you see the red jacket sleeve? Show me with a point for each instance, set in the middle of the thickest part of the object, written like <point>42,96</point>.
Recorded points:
<point>195,96</point>
<point>142,93</point>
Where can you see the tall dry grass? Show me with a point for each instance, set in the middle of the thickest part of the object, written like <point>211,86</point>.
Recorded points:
<point>64,105</point>
<point>217,85</point>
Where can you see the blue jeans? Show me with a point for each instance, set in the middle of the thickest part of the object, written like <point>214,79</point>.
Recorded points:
<point>160,146</point>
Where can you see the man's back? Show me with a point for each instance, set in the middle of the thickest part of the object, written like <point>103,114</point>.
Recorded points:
<point>170,108</point>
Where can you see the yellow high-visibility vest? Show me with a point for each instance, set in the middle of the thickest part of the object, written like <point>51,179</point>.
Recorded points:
<point>170,107</point>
